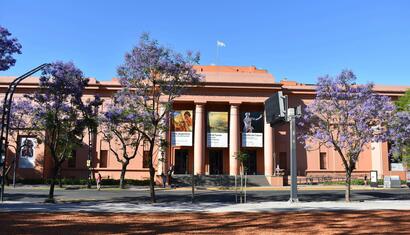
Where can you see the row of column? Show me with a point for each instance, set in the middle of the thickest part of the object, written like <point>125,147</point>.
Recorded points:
<point>234,141</point>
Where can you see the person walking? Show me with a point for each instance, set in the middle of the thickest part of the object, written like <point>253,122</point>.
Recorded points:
<point>170,172</point>
<point>164,179</point>
<point>98,180</point>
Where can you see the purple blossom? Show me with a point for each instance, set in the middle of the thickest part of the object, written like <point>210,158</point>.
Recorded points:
<point>347,117</point>
<point>8,47</point>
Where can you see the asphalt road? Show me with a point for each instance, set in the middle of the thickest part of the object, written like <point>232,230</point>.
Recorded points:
<point>206,196</point>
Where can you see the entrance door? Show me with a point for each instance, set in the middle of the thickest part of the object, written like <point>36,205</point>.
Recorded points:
<point>215,162</point>
<point>181,161</point>
<point>251,162</point>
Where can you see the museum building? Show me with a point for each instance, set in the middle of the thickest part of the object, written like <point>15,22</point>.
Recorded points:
<point>209,125</point>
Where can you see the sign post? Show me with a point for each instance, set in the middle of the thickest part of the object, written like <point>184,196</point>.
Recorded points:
<point>293,161</point>
<point>278,113</point>
<point>373,179</point>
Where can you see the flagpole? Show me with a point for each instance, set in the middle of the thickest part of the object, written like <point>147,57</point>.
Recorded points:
<point>217,53</point>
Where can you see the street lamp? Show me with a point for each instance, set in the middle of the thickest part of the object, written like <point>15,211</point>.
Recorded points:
<point>5,120</point>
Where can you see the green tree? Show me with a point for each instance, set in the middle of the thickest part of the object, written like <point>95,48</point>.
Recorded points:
<point>401,148</point>
<point>403,103</point>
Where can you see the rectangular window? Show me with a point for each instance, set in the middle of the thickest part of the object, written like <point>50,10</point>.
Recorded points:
<point>103,158</point>
<point>72,159</point>
<point>323,161</point>
<point>145,159</point>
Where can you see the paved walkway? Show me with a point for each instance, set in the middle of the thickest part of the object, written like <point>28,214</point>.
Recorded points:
<point>8,206</point>
<point>261,188</point>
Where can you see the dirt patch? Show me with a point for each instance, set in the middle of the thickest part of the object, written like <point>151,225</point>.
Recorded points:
<point>393,222</point>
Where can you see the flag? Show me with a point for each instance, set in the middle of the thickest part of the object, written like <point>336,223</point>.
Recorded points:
<point>220,44</point>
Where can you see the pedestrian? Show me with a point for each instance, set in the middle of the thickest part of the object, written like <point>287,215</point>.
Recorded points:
<point>365,179</point>
<point>164,179</point>
<point>98,180</point>
<point>170,172</point>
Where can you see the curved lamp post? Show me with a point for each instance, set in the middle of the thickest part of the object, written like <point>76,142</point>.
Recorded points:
<point>5,121</point>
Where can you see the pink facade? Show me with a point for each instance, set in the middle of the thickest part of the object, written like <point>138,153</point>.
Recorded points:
<point>217,114</point>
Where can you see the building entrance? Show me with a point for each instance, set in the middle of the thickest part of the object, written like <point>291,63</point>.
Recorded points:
<point>215,162</point>
<point>251,162</point>
<point>181,161</point>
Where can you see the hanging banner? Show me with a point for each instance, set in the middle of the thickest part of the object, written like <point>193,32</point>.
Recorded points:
<point>252,129</point>
<point>181,128</point>
<point>28,147</point>
<point>217,126</point>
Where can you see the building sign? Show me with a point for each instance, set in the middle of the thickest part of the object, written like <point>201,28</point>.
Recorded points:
<point>217,126</point>
<point>181,128</point>
<point>28,147</point>
<point>252,129</point>
<point>373,179</point>
<point>396,167</point>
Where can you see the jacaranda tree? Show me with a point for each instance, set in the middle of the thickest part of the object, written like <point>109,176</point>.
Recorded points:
<point>8,48</point>
<point>59,113</point>
<point>346,117</point>
<point>20,123</point>
<point>120,125</point>
<point>158,76</point>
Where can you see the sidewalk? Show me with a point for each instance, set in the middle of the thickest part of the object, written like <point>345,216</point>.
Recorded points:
<point>300,188</point>
<point>11,206</point>
<point>262,188</point>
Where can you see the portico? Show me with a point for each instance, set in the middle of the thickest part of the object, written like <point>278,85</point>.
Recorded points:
<point>219,158</point>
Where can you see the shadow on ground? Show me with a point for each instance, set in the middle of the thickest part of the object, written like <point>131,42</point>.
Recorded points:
<point>393,222</point>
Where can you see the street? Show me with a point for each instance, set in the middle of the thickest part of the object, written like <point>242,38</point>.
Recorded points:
<point>141,195</point>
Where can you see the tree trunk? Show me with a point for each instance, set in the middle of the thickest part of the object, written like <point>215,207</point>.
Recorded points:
<point>52,184</point>
<point>152,183</point>
<point>123,171</point>
<point>348,184</point>
<point>152,174</point>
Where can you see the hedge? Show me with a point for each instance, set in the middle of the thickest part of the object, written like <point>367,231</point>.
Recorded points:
<point>68,181</point>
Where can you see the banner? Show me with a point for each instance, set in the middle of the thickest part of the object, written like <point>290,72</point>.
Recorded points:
<point>28,147</point>
<point>181,128</point>
<point>252,129</point>
<point>217,126</point>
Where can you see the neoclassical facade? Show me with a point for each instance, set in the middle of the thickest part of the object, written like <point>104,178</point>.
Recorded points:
<point>210,124</point>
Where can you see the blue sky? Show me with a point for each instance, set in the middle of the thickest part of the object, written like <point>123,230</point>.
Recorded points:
<point>299,40</point>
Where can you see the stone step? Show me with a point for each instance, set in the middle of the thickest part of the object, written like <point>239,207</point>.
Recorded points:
<point>218,180</point>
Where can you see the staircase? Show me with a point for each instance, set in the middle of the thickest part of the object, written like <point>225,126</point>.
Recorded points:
<point>218,180</point>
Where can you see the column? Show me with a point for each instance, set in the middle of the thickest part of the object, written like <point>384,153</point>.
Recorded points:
<point>377,158</point>
<point>233,139</point>
<point>162,152</point>
<point>268,148</point>
<point>199,140</point>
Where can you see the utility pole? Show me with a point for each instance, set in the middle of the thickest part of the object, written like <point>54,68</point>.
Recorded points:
<point>293,162</point>
<point>278,113</point>
<point>89,156</point>
<point>193,184</point>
